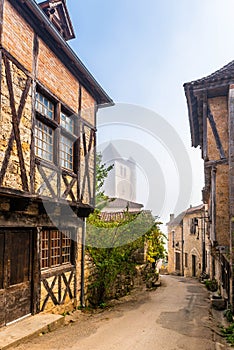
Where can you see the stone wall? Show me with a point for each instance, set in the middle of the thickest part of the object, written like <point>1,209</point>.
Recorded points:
<point>122,285</point>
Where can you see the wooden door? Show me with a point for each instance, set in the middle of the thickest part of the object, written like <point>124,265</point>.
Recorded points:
<point>15,278</point>
<point>177,261</point>
<point>2,292</point>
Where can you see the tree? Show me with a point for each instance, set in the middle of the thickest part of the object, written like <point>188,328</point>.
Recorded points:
<point>102,171</point>
<point>112,244</point>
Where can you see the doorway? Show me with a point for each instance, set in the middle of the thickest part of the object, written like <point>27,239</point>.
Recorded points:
<point>177,261</point>
<point>15,274</point>
<point>194,261</point>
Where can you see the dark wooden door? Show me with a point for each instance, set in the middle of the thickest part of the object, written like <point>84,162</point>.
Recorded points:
<point>15,274</point>
<point>177,261</point>
<point>194,272</point>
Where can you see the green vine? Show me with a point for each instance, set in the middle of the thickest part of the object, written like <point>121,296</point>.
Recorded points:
<point>120,239</point>
<point>112,244</point>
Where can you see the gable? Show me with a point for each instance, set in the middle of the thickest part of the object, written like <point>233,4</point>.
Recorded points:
<point>57,12</point>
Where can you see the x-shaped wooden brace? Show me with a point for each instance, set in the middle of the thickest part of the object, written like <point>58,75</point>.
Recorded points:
<point>69,186</point>
<point>87,155</point>
<point>67,284</point>
<point>15,132</point>
<point>50,292</point>
<point>46,183</point>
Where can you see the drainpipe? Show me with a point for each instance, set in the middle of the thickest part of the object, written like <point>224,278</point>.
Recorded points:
<point>82,296</point>
<point>203,244</point>
<point>182,247</point>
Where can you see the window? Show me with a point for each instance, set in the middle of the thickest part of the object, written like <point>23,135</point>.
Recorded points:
<point>67,141</point>
<point>66,152</point>
<point>67,123</point>
<point>44,106</point>
<point>44,133</point>
<point>193,225</point>
<point>186,260</point>
<point>56,248</point>
<point>44,140</point>
<point>173,238</point>
<point>49,133</point>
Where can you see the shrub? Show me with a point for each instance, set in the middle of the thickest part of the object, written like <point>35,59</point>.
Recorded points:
<point>211,285</point>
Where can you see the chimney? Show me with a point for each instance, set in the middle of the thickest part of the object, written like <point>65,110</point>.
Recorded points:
<point>172,217</point>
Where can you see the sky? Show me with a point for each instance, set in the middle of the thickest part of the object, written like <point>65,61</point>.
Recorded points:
<point>142,52</point>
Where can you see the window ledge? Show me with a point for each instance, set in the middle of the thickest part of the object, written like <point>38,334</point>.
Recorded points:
<point>53,271</point>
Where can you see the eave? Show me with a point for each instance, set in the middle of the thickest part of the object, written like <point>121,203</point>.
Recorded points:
<point>195,93</point>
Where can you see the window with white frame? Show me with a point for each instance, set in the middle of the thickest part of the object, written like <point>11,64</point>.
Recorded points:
<point>66,152</point>
<point>46,136</point>
<point>67,140</point>
<point>44,106</point>
<point>44,141</point>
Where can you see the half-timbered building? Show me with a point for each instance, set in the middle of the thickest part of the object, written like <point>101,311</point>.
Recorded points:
<point>48,111</point>
<point>211,115</point>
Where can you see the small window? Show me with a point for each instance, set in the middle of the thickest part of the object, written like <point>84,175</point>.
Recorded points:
<point>44,139</point>
<point>193,225</point>
<point>44,106</point>
<point>67,123</point>
<point>66,152</point>
<point>56,248</point>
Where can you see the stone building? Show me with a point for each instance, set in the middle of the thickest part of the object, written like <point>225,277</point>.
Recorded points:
<point>48,107</point>
<point>211,114</point>
<point>188,243</point>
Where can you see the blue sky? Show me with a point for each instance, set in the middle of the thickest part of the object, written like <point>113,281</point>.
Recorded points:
<point>143,52</point>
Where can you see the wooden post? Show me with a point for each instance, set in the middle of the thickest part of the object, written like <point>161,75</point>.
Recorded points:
<point>213,205</point>
<point>205,110</point>
<point>231,187</point>
<point>78,144</point>
<point>34,76</point>
<point>36,290</point>
<point>1,19</point>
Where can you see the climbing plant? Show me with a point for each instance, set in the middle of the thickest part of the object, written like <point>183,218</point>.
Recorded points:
<point>113,247</point>
<point>112,244</point>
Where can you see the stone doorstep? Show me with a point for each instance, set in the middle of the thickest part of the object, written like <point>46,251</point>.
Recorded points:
<point>27,328</point>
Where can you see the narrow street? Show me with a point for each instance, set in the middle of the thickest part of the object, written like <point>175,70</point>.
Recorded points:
<point>175,316</point>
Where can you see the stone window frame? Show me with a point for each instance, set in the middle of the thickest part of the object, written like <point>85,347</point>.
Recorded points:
<point>60,130</point>
<point>57,248</point>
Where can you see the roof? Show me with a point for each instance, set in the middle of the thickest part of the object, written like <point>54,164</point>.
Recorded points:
<point>121,204</point>
<point>179,219</point>
<point>41,24</point>
<point>195,209</point>
<point>224,73</point>
<point>214,84</point>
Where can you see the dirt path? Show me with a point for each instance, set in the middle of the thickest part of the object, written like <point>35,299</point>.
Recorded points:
<point>175,316</point>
